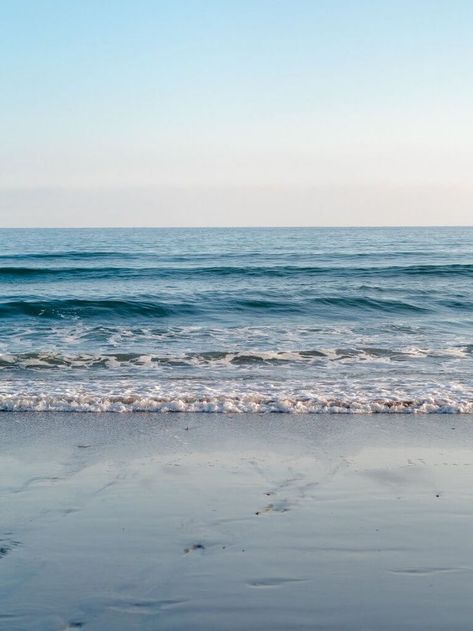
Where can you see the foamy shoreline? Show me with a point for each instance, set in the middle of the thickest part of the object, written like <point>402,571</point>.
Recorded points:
<point>215,403</point>
<point>181,521</point>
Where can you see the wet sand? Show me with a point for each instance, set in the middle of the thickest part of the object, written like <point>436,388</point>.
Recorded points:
<point>179,522</point>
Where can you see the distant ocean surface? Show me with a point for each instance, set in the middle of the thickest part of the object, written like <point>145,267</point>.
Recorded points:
<point>237,320</point>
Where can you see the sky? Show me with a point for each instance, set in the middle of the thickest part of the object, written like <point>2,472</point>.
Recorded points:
<point>236,112</point>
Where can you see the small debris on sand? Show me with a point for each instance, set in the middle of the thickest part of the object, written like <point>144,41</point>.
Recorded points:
<point>195,546</point>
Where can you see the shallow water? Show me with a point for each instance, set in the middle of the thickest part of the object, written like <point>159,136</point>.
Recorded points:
<point>237,320</point>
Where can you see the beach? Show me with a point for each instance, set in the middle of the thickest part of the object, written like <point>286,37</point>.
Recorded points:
<point>194,521</point>
<point>236,316</point>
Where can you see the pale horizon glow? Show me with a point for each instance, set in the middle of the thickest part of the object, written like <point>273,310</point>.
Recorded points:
<point>204,113</point>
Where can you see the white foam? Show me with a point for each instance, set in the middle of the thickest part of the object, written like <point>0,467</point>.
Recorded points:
<point>237,357</point>
<point>251,402</point>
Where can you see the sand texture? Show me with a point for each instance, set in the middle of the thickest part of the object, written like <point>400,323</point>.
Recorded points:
<point>196,522</point>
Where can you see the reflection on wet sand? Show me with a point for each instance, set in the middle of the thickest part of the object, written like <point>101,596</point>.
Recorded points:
<point>248,522</point>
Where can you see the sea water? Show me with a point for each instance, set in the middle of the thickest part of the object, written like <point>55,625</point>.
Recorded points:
<point>237,320</point>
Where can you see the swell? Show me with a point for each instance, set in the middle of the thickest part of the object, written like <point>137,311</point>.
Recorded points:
<point>89,308</point>
<point>270,271</point>
<point>210,302</point>
<point>66,254</point>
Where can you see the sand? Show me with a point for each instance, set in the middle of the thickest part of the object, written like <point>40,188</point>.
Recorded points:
<point>203,522</point>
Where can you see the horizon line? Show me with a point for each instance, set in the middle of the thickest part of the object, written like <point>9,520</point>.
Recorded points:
<point>237,227</point>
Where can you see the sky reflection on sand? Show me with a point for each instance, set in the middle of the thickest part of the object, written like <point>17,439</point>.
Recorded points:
<point>190,522</point>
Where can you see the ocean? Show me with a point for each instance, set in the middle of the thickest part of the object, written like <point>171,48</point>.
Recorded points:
<point>298,320</point>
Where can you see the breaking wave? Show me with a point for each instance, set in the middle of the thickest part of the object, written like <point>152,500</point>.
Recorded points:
<point>57,360</point>
<point>237,320</point>
<point>254,403</point>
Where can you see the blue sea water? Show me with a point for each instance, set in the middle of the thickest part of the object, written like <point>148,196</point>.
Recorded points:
<point>237,320</point>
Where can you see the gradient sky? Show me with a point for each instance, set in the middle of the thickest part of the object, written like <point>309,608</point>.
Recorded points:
<point>236,112</point>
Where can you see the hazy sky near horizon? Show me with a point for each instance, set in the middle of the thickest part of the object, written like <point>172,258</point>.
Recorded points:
<point>236,112</point>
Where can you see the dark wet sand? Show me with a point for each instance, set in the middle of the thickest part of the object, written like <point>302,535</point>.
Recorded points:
<point>195,522</point>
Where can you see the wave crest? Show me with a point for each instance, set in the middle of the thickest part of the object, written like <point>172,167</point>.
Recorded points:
<point>254,403</point>
<point>53,359</point>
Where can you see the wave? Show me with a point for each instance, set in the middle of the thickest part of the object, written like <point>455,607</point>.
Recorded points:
<point>108,307</point>
<point>452,269</point>
<point>64,272</point>
<point>55,360</point>
<point>213,302</point>
<point>272,271</point>
<point>259,403</point>
<point>66,254</point>
<point>41,360</point>
<point>318,304</point>
<point>371,304</point>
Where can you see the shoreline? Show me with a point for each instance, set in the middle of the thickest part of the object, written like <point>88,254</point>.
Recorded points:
<point>179,521</point>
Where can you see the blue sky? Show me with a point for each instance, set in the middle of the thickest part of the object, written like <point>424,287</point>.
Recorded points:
<point>236,112</point>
